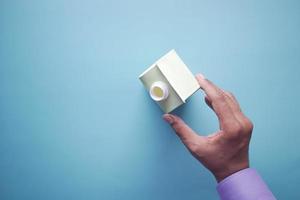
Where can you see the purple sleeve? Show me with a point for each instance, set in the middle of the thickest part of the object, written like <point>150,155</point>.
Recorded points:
<point>244,185</point>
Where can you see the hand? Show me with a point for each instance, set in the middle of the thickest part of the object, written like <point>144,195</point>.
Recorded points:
<point>225,151</point>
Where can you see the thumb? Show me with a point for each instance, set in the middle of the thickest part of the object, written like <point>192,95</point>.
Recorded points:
<point>184,132</point>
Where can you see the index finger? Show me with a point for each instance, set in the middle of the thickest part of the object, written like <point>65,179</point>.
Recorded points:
<point>218,101</point>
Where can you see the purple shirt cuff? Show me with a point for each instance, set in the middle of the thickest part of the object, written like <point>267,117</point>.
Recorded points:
<point>244,185</point>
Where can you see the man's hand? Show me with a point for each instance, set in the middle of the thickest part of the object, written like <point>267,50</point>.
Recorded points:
<point>225,151</point>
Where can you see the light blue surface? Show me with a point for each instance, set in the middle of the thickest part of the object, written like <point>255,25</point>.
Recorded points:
<point>76,123</point>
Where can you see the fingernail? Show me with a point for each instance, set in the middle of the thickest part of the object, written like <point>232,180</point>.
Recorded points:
<point>201,76</point>
<point>168,118</point>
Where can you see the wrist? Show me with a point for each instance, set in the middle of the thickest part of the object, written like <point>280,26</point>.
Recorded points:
<point>229,170</point>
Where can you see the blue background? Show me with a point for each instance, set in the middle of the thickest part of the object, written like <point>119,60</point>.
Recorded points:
<point>76,123</point>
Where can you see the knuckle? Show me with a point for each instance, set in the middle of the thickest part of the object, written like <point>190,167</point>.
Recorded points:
<point>235,130</point>
<point>248,125</point>
<point>240,130</point>
<point>219,97</point>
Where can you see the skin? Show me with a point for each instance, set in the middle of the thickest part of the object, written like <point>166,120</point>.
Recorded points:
<point>225,151</point>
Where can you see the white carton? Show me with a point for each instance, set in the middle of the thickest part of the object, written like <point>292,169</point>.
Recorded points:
<point>171,70</point>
